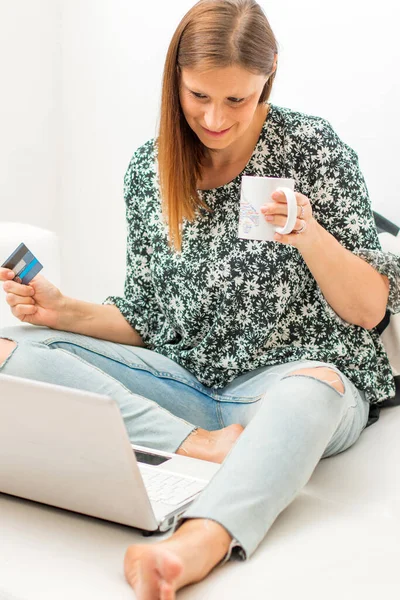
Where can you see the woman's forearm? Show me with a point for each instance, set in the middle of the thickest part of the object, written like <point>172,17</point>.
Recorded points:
<point>352,287</point>
<point>103,321</point>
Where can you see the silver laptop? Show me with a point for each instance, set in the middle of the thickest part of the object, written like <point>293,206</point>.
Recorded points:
<point>69,448</point>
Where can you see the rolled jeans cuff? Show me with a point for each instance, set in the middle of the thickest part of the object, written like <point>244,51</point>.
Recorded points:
<point>239,552</point>
<point>235,547</point>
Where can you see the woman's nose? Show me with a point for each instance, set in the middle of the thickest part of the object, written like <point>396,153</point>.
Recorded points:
<point>214,119</point>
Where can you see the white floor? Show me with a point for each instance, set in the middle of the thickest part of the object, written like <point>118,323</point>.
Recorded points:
<point>340,539</point>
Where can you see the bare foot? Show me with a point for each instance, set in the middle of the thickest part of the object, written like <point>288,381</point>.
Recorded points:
<point>158,571</point>
<point>152,571</point>
<point>210,445</point>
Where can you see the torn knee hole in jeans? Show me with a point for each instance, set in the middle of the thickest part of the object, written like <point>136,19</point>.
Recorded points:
<point>339,387</point>
<point>4,358</point>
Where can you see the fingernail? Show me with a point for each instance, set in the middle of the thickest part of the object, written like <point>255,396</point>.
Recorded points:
<point>11,275</point>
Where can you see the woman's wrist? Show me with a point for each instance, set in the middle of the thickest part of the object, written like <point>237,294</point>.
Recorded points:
<point>96,320</point>
<point>311,238</point>
<point>69,312</point>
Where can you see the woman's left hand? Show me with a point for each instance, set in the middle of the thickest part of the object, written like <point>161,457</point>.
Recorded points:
<point>276,213</point>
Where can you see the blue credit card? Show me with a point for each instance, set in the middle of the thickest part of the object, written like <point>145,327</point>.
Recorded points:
<point>24,264</point>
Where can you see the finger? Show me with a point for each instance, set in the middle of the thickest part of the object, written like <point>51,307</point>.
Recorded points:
<point>6,274</point>
<point>22,310</point>
<point>273,208</point>
<point>292,237</point>
<point>280,209</point>
<point>14,300</point>
<point>299,209</point>
<point>279,197</point>
<point>280,221</point>
<point>19,289</point>
<point>301,199</point>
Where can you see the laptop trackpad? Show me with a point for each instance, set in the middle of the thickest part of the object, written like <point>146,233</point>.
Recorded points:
<point>150,459</point>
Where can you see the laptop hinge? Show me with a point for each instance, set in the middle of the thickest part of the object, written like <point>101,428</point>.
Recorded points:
<point>171,521</point>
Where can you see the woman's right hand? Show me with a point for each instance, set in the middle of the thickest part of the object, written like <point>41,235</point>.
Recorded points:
<point>39,303</point>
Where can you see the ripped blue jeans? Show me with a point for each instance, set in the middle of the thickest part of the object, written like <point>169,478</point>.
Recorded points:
<point>291,421</point>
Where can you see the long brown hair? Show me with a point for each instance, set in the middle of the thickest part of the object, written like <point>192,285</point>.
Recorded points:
<point>213,34</point>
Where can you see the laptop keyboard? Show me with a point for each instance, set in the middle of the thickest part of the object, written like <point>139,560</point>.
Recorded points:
<point>169,488</point>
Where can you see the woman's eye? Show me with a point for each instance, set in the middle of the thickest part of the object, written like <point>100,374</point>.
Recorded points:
<point>202,97</point>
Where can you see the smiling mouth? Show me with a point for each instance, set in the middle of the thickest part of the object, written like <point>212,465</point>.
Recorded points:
<point>216,132</point>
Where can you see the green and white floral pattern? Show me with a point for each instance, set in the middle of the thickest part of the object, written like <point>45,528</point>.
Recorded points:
<point>225,306</point>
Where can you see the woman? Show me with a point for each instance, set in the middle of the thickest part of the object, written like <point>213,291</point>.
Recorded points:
<point>261,353</point>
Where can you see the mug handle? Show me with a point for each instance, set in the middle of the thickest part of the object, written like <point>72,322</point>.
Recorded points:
<point>292,211</point>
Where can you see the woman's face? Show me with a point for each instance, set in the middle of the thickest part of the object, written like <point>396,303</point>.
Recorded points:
<point>220,104</point>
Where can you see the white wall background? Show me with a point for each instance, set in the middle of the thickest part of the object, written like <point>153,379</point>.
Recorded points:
<point>81,83</point>
<point>30,112</point>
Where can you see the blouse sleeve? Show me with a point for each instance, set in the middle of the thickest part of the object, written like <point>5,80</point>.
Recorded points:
<point>139,304</point>
<point>341,204</point>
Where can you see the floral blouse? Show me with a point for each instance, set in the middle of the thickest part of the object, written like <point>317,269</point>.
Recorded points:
<point>224,306</point>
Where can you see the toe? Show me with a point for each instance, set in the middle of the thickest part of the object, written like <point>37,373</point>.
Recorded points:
<point>130,565</point>
<point>141,572</point>
<point>168,566</point>
<point>166,591</point>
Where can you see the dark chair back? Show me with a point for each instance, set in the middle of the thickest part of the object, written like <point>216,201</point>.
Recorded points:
<point>384,225</point>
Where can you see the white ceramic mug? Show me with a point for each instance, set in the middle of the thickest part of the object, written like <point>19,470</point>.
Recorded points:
<point>255,193</point>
